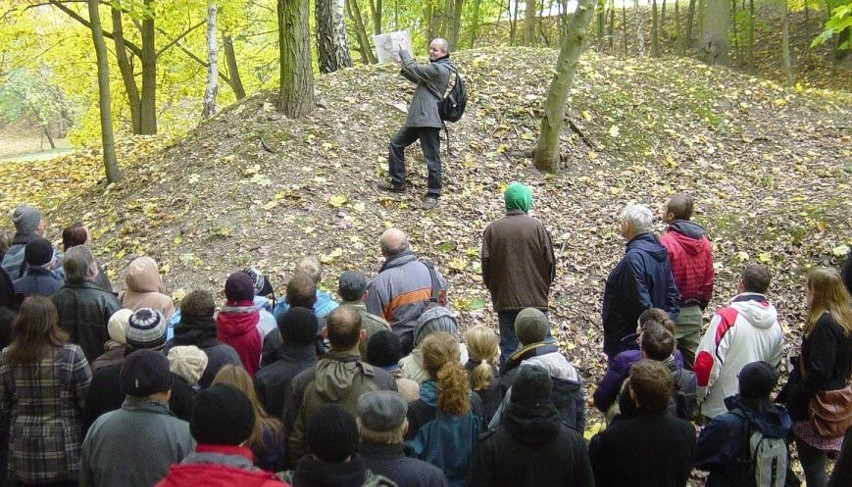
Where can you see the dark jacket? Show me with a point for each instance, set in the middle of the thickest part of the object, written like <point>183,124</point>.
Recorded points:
<point>827,362</point>
<point>390,461</point>
<point>271,381</point>
<point>339,377</point>
<point>40,281</point>
<point>13,260</point>
<point>201,332</point>
<point>607,391</point>
<point>650,449</point>
<point>430,79</point>
<point>846,272</point>
<point>841,476</point>
<point>641,280</point>
<point>532,448</point>
<point>721,445</point>
<point>105,395</point>
<point>518,264</point>
<point>311,472</point>
<point>84,310</point>
<point>567,392</point>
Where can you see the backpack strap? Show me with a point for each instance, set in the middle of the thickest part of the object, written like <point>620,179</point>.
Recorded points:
<point>436,286</point>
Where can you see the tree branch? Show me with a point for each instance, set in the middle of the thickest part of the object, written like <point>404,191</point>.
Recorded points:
<point>74,15</point>
<point>178,38</point>
<point>196,58</point>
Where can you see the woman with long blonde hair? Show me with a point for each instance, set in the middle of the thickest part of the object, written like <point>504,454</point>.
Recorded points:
<point>443,425</point>
<point>825,365</point>
<point>481,366</point>
<point>267,438</point>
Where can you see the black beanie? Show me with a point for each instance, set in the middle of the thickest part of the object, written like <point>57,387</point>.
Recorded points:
<point>145,372</point>
<point>221,415</point>
<point>532,385</point>
<point>38,252</point>
<point>332,434</point>
<point>298,326</point>
<point>384,349</point>
<point>239,287</point>
<point>757,380</point>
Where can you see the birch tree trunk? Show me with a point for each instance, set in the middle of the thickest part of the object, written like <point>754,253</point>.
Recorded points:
<point>208,106</point>
<point>113,172</point>
<point>547,153</point>
<point>332,46</point>
<point>296,92</point>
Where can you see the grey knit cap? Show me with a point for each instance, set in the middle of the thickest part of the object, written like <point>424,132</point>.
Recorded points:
<point>26,219</point>
<point>531,326</point>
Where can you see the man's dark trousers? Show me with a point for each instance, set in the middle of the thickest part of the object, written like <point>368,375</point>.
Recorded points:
<point>430,143</point>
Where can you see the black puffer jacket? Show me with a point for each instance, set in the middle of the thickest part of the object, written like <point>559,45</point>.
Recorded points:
<point>84,311</point>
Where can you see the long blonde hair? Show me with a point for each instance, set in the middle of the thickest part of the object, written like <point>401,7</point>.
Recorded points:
<point>482,347</point>
<point>828,295</point>
<point>441,359</point>
<point>237,377</point>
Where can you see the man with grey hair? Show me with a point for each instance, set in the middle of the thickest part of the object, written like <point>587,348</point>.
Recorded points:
<point>641,280</point>
<point>84,307</point>
<point>352,288</point>
<point>404,287</point>
<point>423,121</point>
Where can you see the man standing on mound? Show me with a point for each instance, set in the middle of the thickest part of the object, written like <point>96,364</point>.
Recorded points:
<point>423,121</point>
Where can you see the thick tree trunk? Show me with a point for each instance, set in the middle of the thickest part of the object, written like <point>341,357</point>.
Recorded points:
<point>236,82</point>
<point>690,22</point>
<point>113,173</point>
<point>640,27</point>
<point>735,33</point>
<point>208,105</point>
<point>547,153</point>
<point>364,47</point>
<point>600,9</point>
<point>715,25</point>
<point>750,35</point>
<point>126,70</point>
<point>624,26</point>
<point>513,21</point>
<point>786,60</point>
<point>610,29</point>
<point>455,14</point>
<point>376,14</point>
<point>332,46</point>
<point>475,20</point>
<point>663,17</point>
<point>49,137</point>
<point>296,93</point>
<point>149,74</point>
<point>529,22</point>
<point>677,34</point>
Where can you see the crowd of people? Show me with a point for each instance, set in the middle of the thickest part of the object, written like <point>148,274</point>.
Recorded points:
<point>383,386</point>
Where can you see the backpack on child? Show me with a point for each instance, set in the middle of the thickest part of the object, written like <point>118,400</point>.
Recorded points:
<point>764,458</point>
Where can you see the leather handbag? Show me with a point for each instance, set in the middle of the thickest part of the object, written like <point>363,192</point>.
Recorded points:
<point>830,412</point>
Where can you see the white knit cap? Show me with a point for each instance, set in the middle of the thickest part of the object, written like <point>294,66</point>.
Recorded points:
<point>117,326</point>
<point>188,362</point>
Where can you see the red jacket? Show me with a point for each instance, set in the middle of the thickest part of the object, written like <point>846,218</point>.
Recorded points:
<point>233,468</point>
<point>691,260</point>
<point>236,325</point>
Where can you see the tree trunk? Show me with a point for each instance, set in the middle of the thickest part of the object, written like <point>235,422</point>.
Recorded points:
<point>455,23</point>
<point>529,22</point>
<point>624,26</point>
<point>236,83</point>
<point>49,137</point>
<point>126,70</point>
<point>677,26</point>
<point>208,106</point>
<point>735,33</point>
<point>113,173</point>
<point>475,20</point>
<point>296,93</point>
<point>610,30</point>
<point>376,14</point>
<point>786,61</point>
<point>640,27</point>
<point>655,30</point>
<point>690,22</point>
<point>600,9</point>
<point>663,17</point>
<point>547,152</point>
<point>149,73</point>
<point>366,50</point>
<point>332,46</point>
<point>715,25</point>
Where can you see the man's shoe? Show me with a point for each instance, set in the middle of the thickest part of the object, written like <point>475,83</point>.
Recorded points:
<point>430,202</point>
<point>390,187</point>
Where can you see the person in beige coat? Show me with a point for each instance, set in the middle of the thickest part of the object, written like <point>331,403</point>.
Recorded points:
<point>145,288</point>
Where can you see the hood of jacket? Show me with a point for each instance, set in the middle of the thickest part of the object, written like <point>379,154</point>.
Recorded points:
<point>556,365</point>
<point>689,236</point>
<point>770,419</point>
<point>218,466</point>
<point>310,472</point>
<point>532,423</point>
<point>755,309</point>
<point>143,277</point>
<point>429,393</point>
<point>648,243</point>
<point>200,332</point>
<point>237,320</point>
<point>335,373</point>
<point>398,260</point>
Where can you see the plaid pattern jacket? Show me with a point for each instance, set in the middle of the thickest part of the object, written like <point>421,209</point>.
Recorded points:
<point>44,402</point>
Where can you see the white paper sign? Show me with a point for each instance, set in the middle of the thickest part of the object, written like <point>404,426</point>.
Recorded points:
<point>387,45</point>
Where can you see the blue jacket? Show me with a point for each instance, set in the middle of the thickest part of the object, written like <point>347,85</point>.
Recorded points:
<point>641,280</point>
<point>38,280</point>
<point>720,446</point>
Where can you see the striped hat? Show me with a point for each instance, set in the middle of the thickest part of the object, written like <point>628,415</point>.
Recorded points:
<point>146,328</point>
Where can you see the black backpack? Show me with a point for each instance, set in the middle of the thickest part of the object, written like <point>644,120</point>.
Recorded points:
<point>452,104</point>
